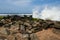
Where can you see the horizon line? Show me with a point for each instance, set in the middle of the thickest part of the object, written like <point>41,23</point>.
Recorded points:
<point>14,14</point>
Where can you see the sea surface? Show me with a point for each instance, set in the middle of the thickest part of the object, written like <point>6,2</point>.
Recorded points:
<point>5,14</point>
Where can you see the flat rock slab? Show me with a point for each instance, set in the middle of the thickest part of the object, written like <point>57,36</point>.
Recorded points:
<point>48,35</point>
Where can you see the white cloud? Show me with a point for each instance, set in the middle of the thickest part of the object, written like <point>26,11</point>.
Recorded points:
<point>20,2</point>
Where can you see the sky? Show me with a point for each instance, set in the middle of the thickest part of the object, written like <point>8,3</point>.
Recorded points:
<point>26,6</point>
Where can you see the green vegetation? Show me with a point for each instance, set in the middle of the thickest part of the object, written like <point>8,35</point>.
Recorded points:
<point>1,17</point>
<point>35,19</point>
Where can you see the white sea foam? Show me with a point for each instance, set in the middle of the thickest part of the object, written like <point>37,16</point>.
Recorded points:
<point>52,13</point>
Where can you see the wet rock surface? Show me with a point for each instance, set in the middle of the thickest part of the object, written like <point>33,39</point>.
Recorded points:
<point>26,28</point>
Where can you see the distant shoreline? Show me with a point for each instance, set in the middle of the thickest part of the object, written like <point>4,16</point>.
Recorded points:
<point>5,14</point>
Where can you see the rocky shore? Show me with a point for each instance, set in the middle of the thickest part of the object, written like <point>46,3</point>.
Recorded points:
<point>28,28</point>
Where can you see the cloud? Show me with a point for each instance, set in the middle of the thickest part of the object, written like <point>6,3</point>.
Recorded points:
<point>25,5</point>
<point>15,6</point>
<point>52,13</point>
<point>22,3</point>
<point>19,2</point>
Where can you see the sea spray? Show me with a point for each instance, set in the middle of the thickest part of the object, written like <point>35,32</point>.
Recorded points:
<point>36,13</point>
<point>51,13</point>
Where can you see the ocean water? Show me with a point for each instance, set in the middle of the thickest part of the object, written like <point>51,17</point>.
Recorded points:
<point>5,14</point>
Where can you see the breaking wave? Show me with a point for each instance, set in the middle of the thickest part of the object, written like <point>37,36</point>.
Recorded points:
<point>51,13</point>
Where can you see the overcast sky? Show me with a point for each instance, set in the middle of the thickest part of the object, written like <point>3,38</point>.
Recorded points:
<point>26,6</point>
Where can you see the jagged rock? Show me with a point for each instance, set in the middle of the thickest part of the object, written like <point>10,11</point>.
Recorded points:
<point>20,22</point>
<point>14,29</point>
<point>25,36</point>
<point>27,27</point>
<point>56,31</point>
<point>13,22</point>
<point>45,26</point>
<point>57,26</point>
<point>4,31</point>
<point>27,24</point>
<point>7,26</point>
<point>34,36</point>
<point>22,29</point>
<point>1,23</point>
<point>3,38</point>
<point>11,37</point>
